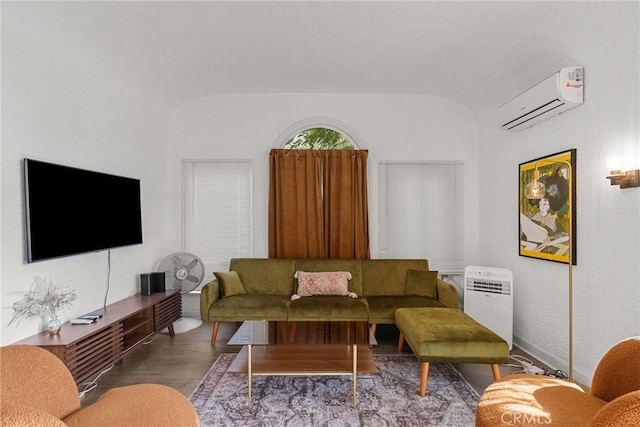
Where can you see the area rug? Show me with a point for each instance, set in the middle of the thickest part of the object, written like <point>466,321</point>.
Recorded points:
<point>388,398</point>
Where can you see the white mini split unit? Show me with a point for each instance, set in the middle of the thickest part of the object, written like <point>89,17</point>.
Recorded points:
<point>555,95</point>
<point>488,299</point>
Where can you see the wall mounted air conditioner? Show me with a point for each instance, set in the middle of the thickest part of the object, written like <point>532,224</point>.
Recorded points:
<point>488,299</point>
<point>555,95</point>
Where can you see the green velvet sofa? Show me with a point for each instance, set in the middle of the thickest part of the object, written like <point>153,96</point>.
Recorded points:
<point>262,289</point>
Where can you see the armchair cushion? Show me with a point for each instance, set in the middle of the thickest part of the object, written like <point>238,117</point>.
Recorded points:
<point>37,389</point>
<point>16,415</point>
<point>140,404</point>
<point>614,399</point>
<point>621,412</point>
<point>537,398</point>
<point>36,378</point>
<point>618,372</point>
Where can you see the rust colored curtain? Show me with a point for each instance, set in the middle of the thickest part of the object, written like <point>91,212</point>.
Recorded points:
<point>318,206</point>
<point>346,204</point>
<point>296,216</point>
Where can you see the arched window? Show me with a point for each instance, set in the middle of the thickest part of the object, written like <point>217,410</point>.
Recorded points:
<point>319,133</point>
<point>320,138</point>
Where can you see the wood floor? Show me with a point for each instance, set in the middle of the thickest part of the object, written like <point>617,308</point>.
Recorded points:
<point>182,361</point>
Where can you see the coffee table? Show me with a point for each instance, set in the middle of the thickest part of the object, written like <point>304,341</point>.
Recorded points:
<point>303,348</point>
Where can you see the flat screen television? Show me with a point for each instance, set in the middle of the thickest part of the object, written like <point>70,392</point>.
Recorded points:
<point>71,211</point>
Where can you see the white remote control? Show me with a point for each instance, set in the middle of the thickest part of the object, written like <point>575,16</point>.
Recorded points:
<point>81,321</point>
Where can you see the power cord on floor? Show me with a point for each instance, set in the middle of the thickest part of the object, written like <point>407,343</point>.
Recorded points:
<point>556,373</point>
<point>89,386</point>
<point>527,367</point>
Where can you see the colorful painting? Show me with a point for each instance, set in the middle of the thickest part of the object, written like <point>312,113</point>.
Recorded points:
<point>548,225</point>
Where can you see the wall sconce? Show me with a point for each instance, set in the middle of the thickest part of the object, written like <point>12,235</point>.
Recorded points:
<point>628,179</point>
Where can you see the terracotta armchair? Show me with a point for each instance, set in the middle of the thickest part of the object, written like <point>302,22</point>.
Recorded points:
<point>614,398</point>
<point>37,389</point>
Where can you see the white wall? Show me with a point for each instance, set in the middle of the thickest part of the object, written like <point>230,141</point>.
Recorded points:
<point>607,276</point>
<point>71,106</point>
<point>391,127</point>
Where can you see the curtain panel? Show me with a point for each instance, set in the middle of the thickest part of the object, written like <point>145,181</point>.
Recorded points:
<point>318,204</point>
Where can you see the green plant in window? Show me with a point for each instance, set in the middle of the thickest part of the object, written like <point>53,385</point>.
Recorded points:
<point>319,139</point>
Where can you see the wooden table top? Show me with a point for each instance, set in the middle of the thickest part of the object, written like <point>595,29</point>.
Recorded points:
<point>263,332</point>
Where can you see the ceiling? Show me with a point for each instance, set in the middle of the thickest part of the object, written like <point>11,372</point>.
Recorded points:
<point>460,50</point>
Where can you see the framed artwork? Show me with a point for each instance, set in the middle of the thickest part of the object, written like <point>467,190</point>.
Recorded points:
<point>547,225</point>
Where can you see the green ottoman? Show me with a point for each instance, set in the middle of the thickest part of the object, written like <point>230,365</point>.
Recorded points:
<point>448,335</point>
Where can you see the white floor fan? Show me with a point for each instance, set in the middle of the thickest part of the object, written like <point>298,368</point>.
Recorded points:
<point>183,271</point>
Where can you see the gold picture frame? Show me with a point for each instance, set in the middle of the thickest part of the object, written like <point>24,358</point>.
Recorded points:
<point>546,225</point>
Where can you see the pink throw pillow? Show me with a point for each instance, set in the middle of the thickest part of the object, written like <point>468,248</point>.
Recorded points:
<point>323,283</point>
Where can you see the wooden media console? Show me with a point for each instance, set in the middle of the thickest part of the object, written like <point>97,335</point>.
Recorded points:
<point>89,349</point>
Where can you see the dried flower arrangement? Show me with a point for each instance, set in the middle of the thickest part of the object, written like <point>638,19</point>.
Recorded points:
<point>43,299</point>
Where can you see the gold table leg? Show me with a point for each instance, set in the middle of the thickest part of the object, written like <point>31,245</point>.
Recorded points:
<point>355,374</point>
<point>249,373</point>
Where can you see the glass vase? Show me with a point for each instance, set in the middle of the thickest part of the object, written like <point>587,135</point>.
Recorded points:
<point>53,326</point>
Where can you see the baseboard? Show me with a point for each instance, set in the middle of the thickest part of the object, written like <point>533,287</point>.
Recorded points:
<point>551,360</point>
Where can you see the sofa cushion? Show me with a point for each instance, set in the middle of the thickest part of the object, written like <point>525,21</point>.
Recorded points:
<point>350,265</point>
<point>323,283</point>
<point>328,308</point>
<point>382,309</point>
<point>422,283</point>
<point>265,276</point>
<point>250,307</point>
<point>230,283</point>
<point>388,276</point>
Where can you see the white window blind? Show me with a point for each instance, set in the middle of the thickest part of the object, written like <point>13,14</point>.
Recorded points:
<point>217,211</point>
<point>421,213</point>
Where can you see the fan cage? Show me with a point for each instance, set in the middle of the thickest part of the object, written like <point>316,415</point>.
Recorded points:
<point>183,271</point>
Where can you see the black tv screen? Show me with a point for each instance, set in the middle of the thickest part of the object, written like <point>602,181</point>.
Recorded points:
<point>71,211</point>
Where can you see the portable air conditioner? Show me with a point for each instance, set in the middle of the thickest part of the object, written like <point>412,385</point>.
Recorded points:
<point>554,95</point>
<point>488,299</point>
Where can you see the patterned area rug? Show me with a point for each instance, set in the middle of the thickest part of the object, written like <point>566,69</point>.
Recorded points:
<point>389,398</point>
